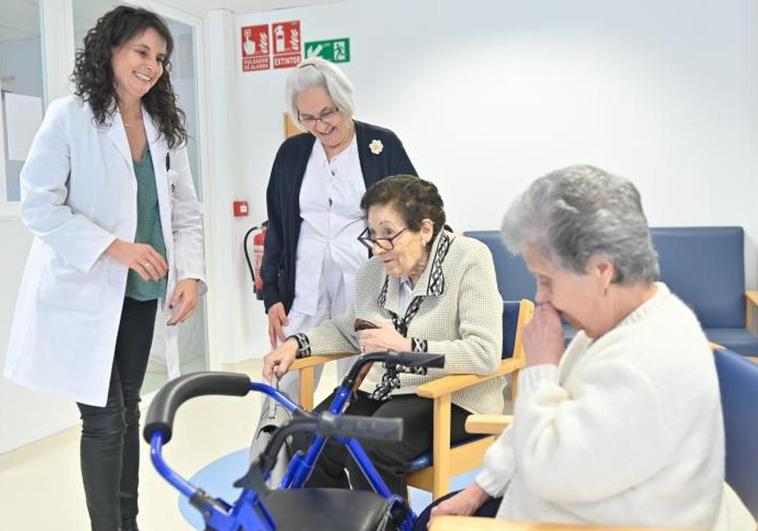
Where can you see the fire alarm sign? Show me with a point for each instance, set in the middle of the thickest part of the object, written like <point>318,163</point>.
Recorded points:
<point>256,44</point>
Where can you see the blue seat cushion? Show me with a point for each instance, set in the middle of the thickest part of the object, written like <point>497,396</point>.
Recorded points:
<point>740,340</point>
<point>425,460</point>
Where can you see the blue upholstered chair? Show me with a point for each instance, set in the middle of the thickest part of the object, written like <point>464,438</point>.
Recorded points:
<point>704,266</point>
<point>513,279</point>
<point>738,379</point>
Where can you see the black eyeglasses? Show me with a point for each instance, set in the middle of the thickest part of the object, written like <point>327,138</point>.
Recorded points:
<point>325,117</point>
<point>384,243</point>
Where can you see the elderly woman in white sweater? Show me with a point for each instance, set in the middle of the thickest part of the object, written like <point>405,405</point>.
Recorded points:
<point>624,426</point>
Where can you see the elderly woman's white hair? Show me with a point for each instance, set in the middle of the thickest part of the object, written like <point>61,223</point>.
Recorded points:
<point>319,72</point>
<point>581,211</point>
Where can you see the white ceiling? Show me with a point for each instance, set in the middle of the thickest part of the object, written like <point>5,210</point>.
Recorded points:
<point>19,19</point>
<point>201,7</point>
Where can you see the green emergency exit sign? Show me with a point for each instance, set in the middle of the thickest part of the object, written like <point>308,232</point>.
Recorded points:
<point>334,50</point>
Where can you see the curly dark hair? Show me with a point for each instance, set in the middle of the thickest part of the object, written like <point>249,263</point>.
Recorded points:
<point>414,198</point>
<point>93,72</point>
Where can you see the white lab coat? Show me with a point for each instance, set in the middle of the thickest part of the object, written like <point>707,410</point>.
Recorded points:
<point>78,194</point>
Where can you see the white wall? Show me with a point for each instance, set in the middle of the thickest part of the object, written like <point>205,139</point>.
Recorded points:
<point>488,95</point>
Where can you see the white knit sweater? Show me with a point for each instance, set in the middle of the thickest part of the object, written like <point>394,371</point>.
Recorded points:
<point>458,313</point>
<point>627,430</point>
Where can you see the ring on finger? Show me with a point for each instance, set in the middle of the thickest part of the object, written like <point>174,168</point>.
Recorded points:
<point>148,265</point>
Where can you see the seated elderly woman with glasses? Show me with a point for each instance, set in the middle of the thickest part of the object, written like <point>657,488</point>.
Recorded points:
<point>622,427</point>
<point>426,290</point>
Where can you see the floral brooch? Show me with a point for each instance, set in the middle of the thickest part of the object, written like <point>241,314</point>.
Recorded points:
<point>376,146</point>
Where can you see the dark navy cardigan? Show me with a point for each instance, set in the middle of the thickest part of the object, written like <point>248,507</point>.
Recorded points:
<point>283,200</point>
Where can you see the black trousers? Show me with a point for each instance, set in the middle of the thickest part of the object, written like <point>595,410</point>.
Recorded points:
<point>488,510</point>
<point>390,459</point>
<point>110,434</point>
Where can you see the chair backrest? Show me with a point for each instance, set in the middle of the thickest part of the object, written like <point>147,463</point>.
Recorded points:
<point>705,267</point>
<point>515,315</point>
<point>738,379</point>
<point>513,278</point>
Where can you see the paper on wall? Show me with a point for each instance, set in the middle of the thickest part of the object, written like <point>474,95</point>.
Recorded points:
<point>23,116</point>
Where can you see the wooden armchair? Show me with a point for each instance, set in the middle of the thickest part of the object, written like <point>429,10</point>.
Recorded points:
<point>432,471</point>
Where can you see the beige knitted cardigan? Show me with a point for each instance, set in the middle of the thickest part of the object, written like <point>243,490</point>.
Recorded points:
<point>455,310</point>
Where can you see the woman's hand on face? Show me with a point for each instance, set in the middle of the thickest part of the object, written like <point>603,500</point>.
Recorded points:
<point>543,337</point>
<point>139,257</point>
<point>279,360</point>
<point>383,338</point>
<point>183,301</point>
<point>465,503</point>
<point>277,320</point>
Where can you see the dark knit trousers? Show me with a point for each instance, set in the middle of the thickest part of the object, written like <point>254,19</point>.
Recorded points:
<point>391,459</point>
<point>110,434</point>
<point>487,510</point>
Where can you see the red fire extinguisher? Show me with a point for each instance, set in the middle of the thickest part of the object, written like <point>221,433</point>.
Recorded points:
<point>255,268</point>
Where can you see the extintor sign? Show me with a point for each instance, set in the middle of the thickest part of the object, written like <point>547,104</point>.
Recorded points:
<point>287,44</point>
<point>256,48</point>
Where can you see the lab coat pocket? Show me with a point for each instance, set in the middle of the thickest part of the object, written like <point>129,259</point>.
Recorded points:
<point>68,288</point>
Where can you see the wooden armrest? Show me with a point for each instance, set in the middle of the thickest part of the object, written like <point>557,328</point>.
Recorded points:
<point>305,367</point>
<point>448,384</point>
<point>312,361</point>
<point>751,310</point>
<point>488,424</point>
<point>470,523</point>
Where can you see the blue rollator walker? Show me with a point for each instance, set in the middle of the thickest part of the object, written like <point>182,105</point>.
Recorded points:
<point>290,506</point>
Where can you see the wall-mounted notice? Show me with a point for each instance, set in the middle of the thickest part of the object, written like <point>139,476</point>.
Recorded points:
<point>334,50</point>
<point>287,44</point>
<point>23,116</point>
<point>256,49</point>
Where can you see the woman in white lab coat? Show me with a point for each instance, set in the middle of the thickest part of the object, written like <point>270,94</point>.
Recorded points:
<point>107,192</point>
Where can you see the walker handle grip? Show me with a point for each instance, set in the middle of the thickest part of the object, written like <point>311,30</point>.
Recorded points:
<point>160,416</point>
<point>380,429</point>
<point>421,359</point>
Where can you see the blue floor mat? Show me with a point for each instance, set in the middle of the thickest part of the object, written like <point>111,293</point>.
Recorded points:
<point>217,478</point>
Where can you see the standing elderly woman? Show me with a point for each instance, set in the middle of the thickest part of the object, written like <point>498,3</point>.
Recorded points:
<point>108,194</point>
<point>624,427</point>
<point>311,253</point>
<point>427,290</point>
